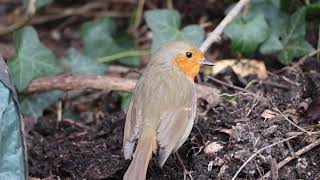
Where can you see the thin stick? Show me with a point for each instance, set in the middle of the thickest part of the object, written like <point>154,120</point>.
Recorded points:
<point>214,36</point>
<point>286,118</point>
<point>229,85</point>
<point>139,13</point>
<point>305,57</point>
<point>185,170</point>
<point>259,151</point>
<point>169,4</point>
<point>298,153</point>
<point>67,82</point>
<point>318,55</point>
<point>301,61</point>
<point>87,10</point>
<point>113,57</point>
<point>30,12</point>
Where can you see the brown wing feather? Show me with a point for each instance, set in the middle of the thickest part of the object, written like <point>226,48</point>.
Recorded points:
<point>175,127</point>
<point>132,126</point>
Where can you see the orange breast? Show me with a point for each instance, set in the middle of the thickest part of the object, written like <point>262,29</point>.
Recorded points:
<point>188,67</point>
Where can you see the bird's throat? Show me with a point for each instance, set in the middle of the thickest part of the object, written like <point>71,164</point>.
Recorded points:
<point>189,68</point>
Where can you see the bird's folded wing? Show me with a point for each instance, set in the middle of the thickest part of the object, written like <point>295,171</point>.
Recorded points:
<point>175,127</point>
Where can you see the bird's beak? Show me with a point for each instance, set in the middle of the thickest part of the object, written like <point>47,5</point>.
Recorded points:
<point>207,63</point>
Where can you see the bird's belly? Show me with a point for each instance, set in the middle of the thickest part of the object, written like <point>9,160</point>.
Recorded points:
<point>167,98</point>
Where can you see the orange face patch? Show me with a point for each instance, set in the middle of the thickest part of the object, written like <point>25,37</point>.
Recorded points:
<point>189,63</point>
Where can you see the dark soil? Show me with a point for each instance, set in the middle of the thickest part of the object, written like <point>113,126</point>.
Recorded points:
<point>87,142</point>
<point>90,146</point>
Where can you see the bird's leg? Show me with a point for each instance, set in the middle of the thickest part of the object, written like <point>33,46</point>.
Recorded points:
<point>185,170</point>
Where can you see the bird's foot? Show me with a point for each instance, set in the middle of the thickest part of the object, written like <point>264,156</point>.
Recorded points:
<point>186,174</point>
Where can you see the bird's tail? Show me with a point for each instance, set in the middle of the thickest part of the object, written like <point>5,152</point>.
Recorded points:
<point>146,145</point>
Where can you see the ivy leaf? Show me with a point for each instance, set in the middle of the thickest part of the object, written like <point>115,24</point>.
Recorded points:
<point>294,48</point>
<point>81,64</point>
<point>193,33</point>
<point>247,35</point>
<point>33,59</point>
<point>275,19</point>
<point>97,37</point>
<point>13,161</point>
<point>295,27</point>
<point>39,3</point>
<point>165,26</point>
<point>271,9</point>
<point>125,42</point>
<point>293,39</point>
<point>35,104</point>
<point>99,40</point>
<point>271,45</point>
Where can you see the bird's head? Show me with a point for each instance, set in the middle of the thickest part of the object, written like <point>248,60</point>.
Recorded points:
<point>182,56</point>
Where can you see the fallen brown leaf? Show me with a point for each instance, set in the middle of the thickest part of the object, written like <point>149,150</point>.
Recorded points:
<point>242,67</point>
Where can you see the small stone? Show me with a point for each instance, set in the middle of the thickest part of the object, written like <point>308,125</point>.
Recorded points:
<point>212,148</point>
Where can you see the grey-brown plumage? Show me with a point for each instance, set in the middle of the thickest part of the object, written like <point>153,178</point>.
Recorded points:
<point>162,111</point>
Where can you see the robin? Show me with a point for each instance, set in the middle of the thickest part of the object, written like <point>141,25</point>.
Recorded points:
<point>163,106</point>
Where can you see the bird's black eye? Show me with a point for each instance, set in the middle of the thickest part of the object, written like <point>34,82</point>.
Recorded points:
<point>188,54</point>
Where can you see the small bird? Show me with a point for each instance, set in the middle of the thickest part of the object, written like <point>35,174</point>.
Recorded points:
<point>163,106</point>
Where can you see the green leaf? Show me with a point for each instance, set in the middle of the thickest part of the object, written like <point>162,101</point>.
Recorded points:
<point>125,42</point>
<point>39,3</point>
<point>271,9</point>
<point>193,33</point>
<point>275,18</point>
<point>313,10</point>
<point>81,64</point>
<point>287,32</point>
<point>125,99</point>
<point>97,37</point>
<point>247,35</point>
<point>295,27</point>
<point>165,26</point>
<point>100,40</point>
<point>12,157</point>
<point>294,48</point>
<point>33,59</point>
<point>35,104</point>
<point>271,45</point>
<point>293,39</point>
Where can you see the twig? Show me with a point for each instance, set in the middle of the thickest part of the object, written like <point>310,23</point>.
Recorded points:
<point>301,61</point>
<point>259,151</point>
<point>291,149</point>
<point>229,85</point>
<point>254,104</point>
<point>214,36</point>
<point>318,55</point>
<point>138,18</point>
<point>30,12</point>
<point>274,171</point>
<point>124,54</point>
<point>169,4</point>
<point>59,111</point>
<point>286,118</point>
<point>66,83</point>
<point>300,133</point>
<point>298,153</point>
<point>275,84</point>
<point>118,69</point>
<point>86,10</point>
<point>305,57</point>
<point>75,123</point>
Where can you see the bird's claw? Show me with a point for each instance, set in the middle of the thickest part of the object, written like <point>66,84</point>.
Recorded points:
<point>185,173</point>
